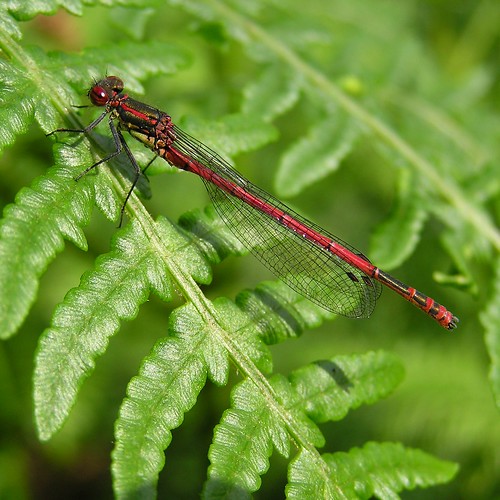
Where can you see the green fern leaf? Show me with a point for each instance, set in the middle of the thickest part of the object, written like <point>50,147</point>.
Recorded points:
<point>142,60</point>
<point>133,21</point>
<point>53,208</point>
<point>317,155</point>
<point>396,238</point>
<point>27,10</point>
<point>17,103</point>
<point>168,384</point>
<point>91,313</point>
<point>379,470</point>
<point>199,345</point>
<point>274,93</point>
<point>22,100</point>
<point>214,238</point>
<point>32,233</point>
<point>243,444</point>
<point>244,439</point>
<point>232,133</point>
<point>458,244</point>
<point>331,388</point>
<point>8,25</point>
<point>279,313</point>
<point>24,11</point>
<point>490,318</point>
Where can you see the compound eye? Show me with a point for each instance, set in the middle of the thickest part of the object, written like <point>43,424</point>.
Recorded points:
<point>98,96</point>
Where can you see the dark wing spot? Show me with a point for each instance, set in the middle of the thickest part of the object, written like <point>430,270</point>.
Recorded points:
<point>352,277</point>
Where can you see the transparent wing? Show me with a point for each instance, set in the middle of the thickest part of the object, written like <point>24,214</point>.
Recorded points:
<point>306,267</point>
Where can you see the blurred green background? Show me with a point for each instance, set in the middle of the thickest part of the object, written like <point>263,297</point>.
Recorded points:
<point>444,406</point>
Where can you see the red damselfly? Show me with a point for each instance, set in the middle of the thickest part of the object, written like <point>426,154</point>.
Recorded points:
<point>318,265</point>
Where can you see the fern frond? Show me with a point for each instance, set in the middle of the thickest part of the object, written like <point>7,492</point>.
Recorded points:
<point>321,150</point>
<point>27,10</point>
<point>396,238</point>
<point>379,470</point>
<point>490,318</point>
<point>8,25</point>
<point>91,314</point>
<point>200,344</point>
<point>272,94</point>
<point>19,104</point>
<point>279,313</point>
<point>234,133</point>
<point>32,232</point>
<point>248,432</point>
<point>142,60</point>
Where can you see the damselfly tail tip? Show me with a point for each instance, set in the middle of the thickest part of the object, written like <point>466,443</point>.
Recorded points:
<point>453,323</point>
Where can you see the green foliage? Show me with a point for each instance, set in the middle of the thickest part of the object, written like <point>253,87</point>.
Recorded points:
<point>317,393</point>
<point>491,321</point>
<point>378,470</point>
<point>346,94</point>
<point>90,314</point>
<point>396,239</point>
<point>322,150</point>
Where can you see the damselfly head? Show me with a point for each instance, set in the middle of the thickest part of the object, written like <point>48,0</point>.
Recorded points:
<point>104,90</point>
